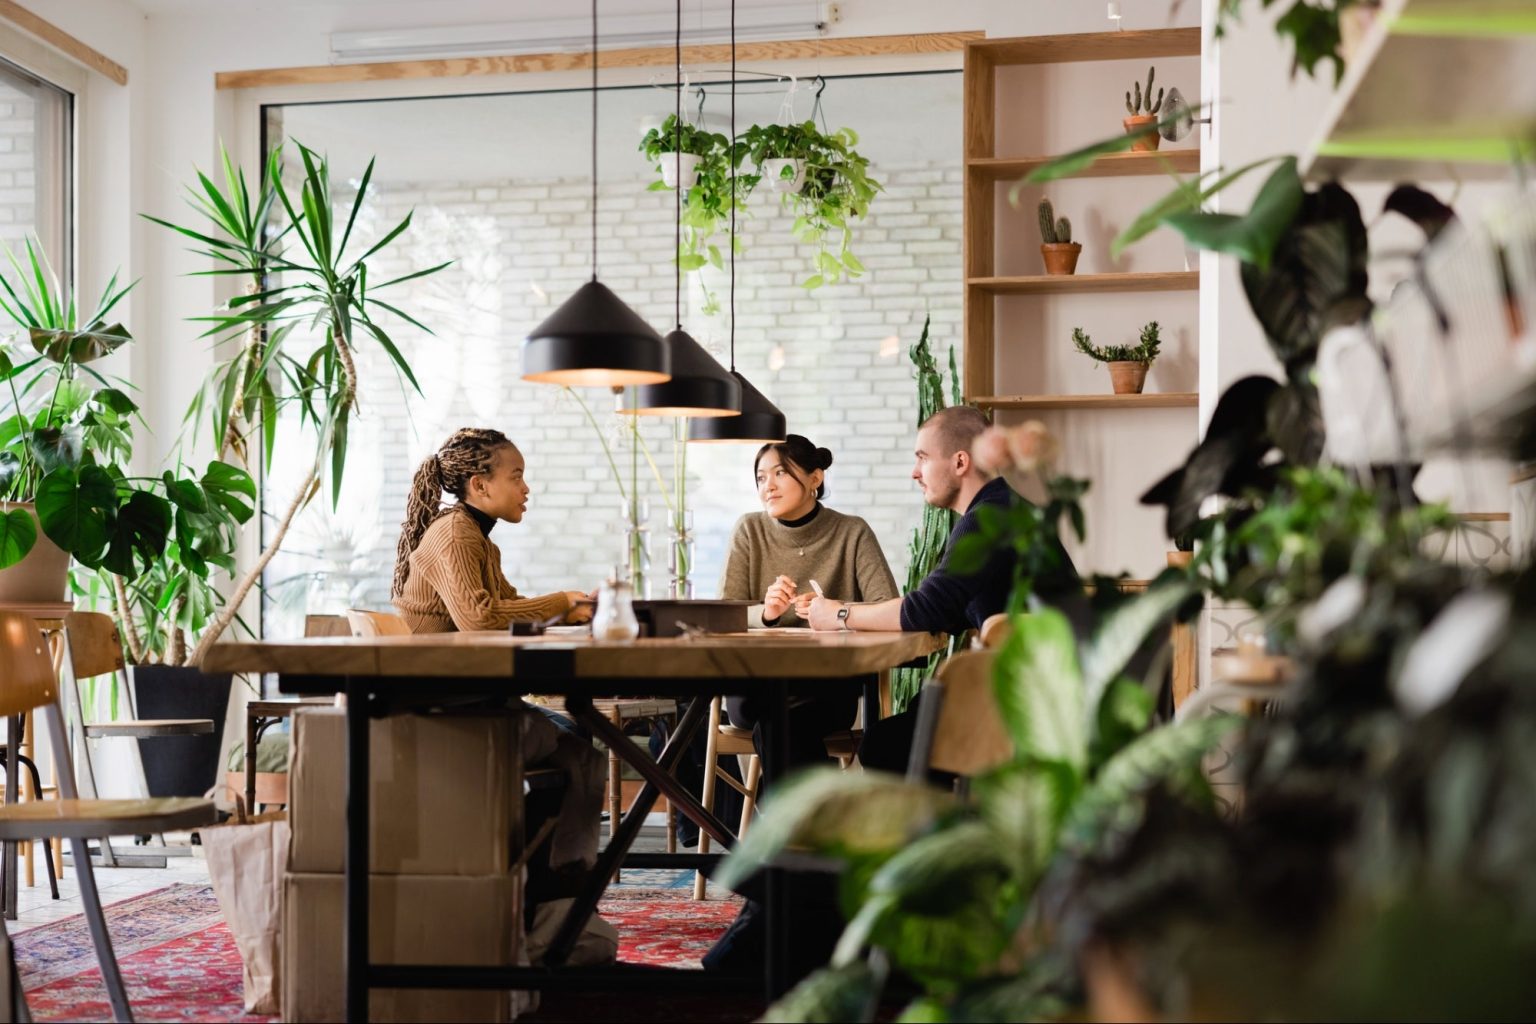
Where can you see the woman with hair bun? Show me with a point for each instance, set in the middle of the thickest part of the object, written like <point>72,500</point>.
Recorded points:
<point>776,553</point>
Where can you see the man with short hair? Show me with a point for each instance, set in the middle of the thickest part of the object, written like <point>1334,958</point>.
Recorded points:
<point>946,602</point>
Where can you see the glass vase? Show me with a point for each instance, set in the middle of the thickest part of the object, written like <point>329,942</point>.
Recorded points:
<point>637,546</point>
<point>680,555</point>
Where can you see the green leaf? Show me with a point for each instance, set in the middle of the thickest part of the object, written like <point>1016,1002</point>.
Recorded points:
<point>73,510</point>
<point>1070,164</point>
<point>18,532</point>
<point>1188,197</point>
<point>185,493</point>
<point>830,995</point>
<point>1253,236</point>
<point>223,483</point>
<point>1124,714</point>
<point>852,263</point>
<point>115,400</point>
<point>1039,690</point>
<point>1123,631</point>
<point>138,536</point>
<point>81,346</point>
<point>813,282</point>
<point>827,810</point>
<point>55,447</point>
<point>1025,804</point>
<point>1167,753</point>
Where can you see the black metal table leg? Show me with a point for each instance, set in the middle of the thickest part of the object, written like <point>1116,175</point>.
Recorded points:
<point>356,866</point>
<point>776,904</point>
<point>624,836</point>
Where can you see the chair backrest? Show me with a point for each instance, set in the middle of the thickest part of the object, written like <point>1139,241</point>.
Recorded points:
<point>327,625</point>
<point>95,647</point>
<point>959,725</point>
<point>995,631</point>
<point>366,623</point>
<point>26,668</point>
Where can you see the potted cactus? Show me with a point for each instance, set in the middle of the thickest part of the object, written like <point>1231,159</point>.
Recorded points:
<point>1056,246</point>
<point>1128,364</point>
<point>1143,120</point>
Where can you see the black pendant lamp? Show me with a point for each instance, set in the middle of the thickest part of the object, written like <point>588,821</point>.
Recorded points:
<point>700,386</point>
<point>594,339</point>
<point>760,421</point>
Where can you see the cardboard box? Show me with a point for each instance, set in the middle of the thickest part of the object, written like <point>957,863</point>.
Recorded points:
<point>414,919</point>
<point>446,793</point>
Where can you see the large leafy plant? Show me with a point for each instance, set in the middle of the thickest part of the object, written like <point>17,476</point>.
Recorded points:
<point>955,895</point>
<point>67,441</point>
<point>308,305</point>
<point>926,548</point>
<point>836,192</point>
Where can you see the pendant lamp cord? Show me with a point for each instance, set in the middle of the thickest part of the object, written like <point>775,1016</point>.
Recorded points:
<point>677,167</point>
<point>594,140</point>
<point>731,155</point>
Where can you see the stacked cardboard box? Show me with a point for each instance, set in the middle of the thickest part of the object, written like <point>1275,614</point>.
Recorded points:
<point>446,826</point>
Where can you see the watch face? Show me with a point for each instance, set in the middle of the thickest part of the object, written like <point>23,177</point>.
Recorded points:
<point>842,613</point>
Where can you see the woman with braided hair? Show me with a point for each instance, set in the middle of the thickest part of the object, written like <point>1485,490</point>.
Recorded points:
<point>447,572</point>
<point>448,577</point>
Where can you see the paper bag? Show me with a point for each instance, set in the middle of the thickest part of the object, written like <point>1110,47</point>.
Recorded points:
<point>246,859</point>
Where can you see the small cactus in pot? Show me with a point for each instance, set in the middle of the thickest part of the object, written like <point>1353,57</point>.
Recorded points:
<point>1056,246</point>
<point>1143,110</point>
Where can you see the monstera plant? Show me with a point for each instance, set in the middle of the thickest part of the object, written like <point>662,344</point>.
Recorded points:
<point>66,441</point>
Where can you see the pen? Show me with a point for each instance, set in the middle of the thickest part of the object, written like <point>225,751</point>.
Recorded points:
<point>817,587</point>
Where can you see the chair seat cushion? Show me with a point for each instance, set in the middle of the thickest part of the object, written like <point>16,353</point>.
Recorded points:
<point>152,727</point>
<point>82,819</point>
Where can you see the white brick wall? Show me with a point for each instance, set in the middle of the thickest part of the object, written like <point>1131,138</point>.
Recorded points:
<point>522,249</point>
<point>18,129</point>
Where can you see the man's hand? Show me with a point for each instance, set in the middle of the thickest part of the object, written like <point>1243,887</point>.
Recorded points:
<point>781,594</point>
<point>822,614</point>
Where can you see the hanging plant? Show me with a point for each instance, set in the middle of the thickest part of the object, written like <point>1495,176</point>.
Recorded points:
<point>825,181</point>
<point>706,206</point>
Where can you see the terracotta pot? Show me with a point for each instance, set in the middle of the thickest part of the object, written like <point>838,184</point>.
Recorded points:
<point>1061,257</point>
<point>1148,142</point>
<point>1180,559</point>
<point>1128,377</point>
<point>42,576</point>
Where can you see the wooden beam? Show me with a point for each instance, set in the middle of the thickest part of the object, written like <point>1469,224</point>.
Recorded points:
<point>62,41</point>
<point>1157,42</point>
<point>659,56</point>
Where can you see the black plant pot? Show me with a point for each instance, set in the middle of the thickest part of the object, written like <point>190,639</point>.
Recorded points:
<point>181,765</point>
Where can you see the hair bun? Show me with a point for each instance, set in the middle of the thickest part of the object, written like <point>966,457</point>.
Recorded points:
<point>823,458</point>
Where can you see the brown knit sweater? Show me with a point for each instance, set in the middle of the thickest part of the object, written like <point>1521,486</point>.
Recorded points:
<point>837,551</point>
<point>456,583</point>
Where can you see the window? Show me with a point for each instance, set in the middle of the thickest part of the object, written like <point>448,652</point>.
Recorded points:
<point>500,185</point>
<point>35,165</point>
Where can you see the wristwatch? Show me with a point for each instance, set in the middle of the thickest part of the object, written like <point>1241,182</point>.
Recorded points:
<point>842,617</point>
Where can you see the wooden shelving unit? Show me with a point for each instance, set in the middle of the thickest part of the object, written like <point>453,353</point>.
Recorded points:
<point>1170,400</point>
<point>985,168</point>
<point>1111,165</point>
<point>1068,284</point>
<point>1392,121</point>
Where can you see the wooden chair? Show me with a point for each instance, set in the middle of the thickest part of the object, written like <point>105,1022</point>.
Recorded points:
<point>959,729</point>
<point>327,625</point>
<point>726,740</point>
<point>26,682</point>
<point>92,647</point>
<point>367,623</point>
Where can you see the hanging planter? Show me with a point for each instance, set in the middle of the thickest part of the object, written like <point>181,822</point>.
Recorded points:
<point>784,174</point>
<point>825,181</point>
<point>676,149</point>
<point>680,170</point>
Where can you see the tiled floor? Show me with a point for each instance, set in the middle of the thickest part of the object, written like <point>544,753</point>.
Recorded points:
<point>36,906</point>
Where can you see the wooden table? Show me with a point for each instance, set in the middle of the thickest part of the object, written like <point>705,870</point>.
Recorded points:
<point>381,673</point>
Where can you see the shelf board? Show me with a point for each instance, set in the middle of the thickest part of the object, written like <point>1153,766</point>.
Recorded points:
<point>1393,120</point>
<point>1111,165</point>
<point>1171,400</point>
<point>1064,284</point>
<point>1129,45</point>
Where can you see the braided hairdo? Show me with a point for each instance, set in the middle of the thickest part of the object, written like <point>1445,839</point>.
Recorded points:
<point>469,452</point>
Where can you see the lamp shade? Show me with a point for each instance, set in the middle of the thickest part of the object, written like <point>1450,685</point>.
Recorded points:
<point>760,421</point>
<point>595,340</point>
<point>700,386</point>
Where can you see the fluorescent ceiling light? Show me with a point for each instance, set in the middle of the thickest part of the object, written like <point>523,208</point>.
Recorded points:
<point>555,35</point>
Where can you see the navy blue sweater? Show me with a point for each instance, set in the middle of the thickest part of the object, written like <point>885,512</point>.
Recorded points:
<point>949,603</point>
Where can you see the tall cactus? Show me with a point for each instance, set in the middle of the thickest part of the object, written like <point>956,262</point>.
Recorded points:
<point>1140,102</point>
<point>1047,223</point>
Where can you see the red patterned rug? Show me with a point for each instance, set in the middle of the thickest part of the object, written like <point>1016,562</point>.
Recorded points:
<point>180,963</point>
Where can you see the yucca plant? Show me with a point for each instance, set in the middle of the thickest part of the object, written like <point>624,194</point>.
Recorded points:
<point>67,439</point>
<point>298,275</point>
